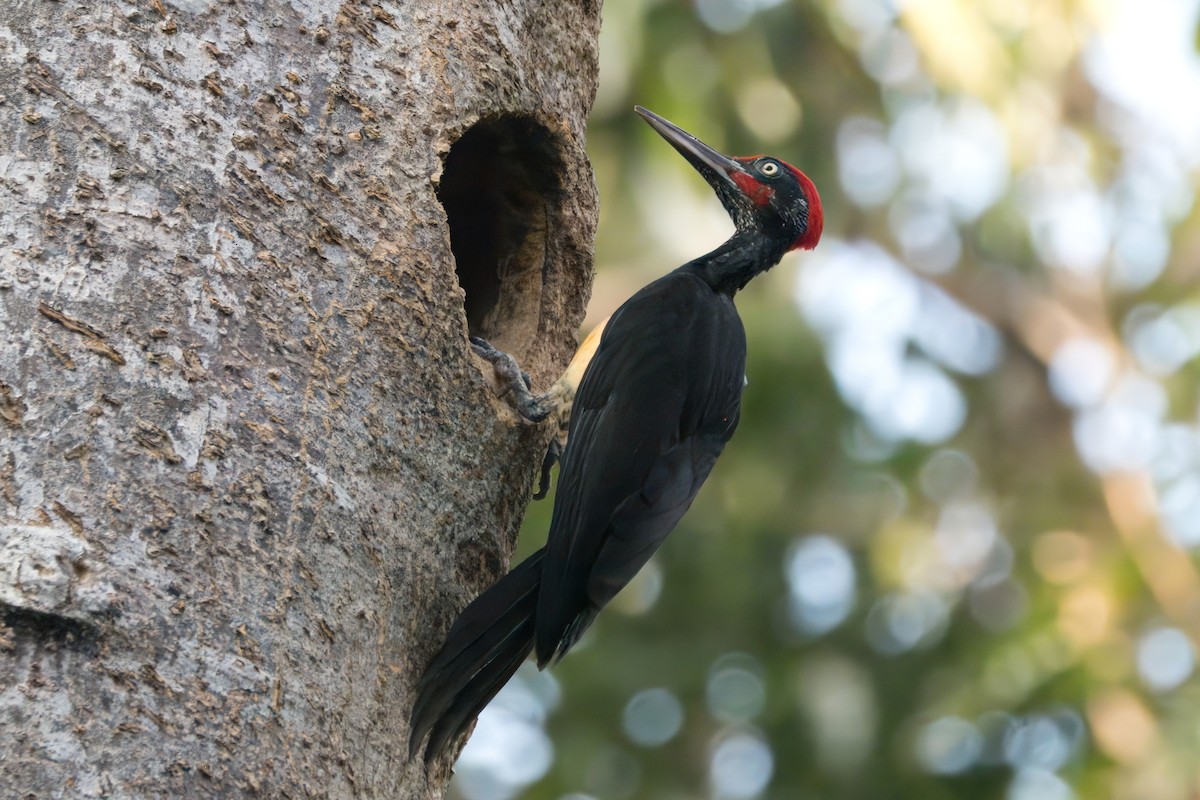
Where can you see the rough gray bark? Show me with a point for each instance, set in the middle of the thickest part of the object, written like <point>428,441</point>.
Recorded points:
<point>249,465</point>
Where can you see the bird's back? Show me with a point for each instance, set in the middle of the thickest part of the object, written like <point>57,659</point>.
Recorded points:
<point>653,412</point>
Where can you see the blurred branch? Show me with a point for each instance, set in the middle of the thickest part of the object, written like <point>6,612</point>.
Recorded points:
<point>1170,574</point>
<point>1039,323</point>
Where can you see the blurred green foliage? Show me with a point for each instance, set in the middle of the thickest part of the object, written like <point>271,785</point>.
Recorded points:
<point>1024,606</point>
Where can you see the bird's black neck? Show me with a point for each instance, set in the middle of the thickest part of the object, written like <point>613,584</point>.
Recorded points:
<point>732,265</point>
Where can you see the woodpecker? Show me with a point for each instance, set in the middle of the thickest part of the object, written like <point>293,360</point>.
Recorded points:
<point>658,401</point>
<point>562,395</point>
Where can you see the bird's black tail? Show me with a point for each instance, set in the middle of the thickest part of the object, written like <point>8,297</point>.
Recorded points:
<point>486,644</point>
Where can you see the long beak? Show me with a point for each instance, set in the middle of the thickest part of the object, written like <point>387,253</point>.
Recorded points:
<point>711,164</point>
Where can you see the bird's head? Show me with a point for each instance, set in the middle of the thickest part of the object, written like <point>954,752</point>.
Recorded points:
<point>759,192</point>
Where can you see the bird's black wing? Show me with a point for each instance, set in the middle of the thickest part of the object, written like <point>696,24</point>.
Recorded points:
<point>653,411</point>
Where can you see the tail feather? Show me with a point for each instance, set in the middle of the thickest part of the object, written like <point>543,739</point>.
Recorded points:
<point>484,647</point>
<point>575,629</point>
<point>476,632</point>
<point>447,680</point>
<point>478,693</point>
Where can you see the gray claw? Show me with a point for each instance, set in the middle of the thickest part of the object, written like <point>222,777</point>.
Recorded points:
<point>532,408</point>
<point>553,453</point>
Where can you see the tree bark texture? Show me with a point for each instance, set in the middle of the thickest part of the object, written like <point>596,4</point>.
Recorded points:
<point>250,467</point>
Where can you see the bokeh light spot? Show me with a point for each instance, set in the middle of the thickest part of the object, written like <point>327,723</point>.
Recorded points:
<point>821,581</point>
<point>612,772</point>
<point>1122,433</point>
<point>928,236</point>
<point>889,57</point>
<point>965,535</point>
<point>1165,658</point>
<point>1070,229</point>
<point>769,109</point>
<point>957,152</point>
<point>735,691</point>
<point>837,697</point>
<point>901,622</point>
<point>948,746</point>
<point>1140,253</point>
<point>948,475</point>
<point>741,766</point>
<point>727,16</point>
<point>641,593</point>
<point>1033,783</point>
<point>509,749</point>
<point>652,717</point>
<point>1179,507</point>
<point>868,167</point>
<point>1166,341</point>
<point>1080,372</point>
<point>1041,741</point>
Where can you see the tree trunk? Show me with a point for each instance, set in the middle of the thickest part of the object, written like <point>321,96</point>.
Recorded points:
<point>249,465</point>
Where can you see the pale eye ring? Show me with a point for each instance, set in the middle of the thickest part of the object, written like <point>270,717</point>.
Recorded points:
<point>769,168</point>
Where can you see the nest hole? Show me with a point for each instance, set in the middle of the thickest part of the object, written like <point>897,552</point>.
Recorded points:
<point>500,187</point>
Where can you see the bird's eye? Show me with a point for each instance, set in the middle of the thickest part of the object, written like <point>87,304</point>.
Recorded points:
<point>769,169</point>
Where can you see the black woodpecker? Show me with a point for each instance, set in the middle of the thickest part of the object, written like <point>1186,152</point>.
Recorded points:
<point>655,407</point>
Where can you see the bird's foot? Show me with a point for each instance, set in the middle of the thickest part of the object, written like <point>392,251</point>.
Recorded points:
<point>534,408</point>
<point>553,453</point>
